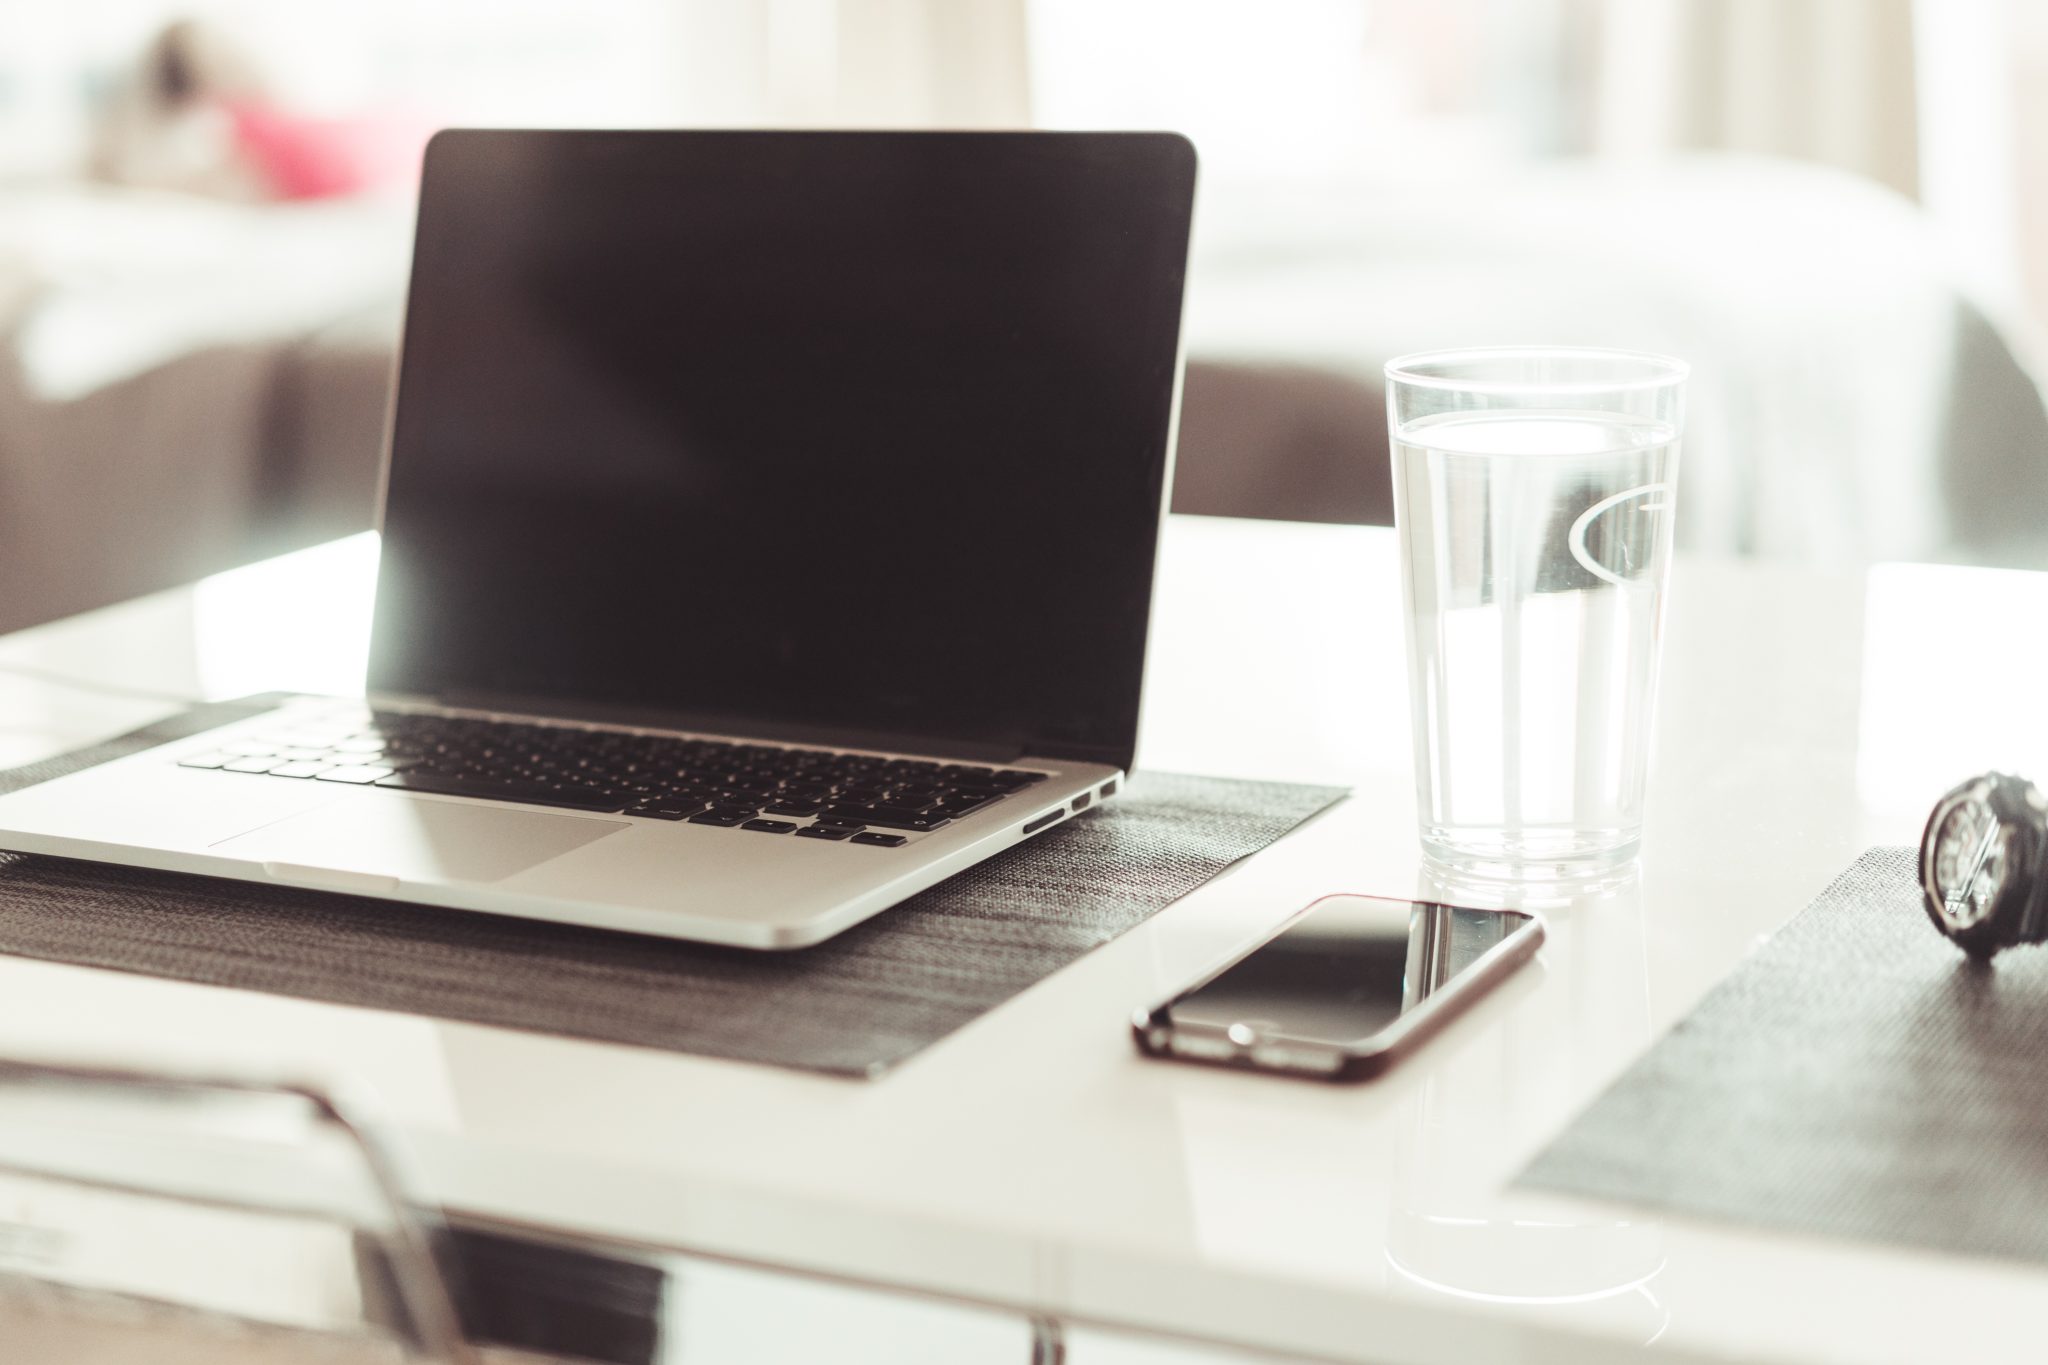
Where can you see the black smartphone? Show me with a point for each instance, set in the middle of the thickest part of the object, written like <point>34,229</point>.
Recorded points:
<point>1342,990</point>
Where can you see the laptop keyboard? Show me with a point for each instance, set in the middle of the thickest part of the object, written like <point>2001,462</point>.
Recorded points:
<point>806,793</point>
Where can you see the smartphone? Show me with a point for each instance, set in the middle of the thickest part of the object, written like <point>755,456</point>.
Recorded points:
<point>1343,989</point>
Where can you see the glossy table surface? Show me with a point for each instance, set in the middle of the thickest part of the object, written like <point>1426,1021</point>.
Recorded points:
<point>1033,1160</point>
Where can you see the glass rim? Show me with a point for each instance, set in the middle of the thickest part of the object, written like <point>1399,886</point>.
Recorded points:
<point>1658,371</point>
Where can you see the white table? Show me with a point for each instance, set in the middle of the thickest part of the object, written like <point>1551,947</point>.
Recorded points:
<point>1033,1162</point>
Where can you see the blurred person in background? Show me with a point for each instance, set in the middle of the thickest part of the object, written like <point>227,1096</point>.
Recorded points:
<point>199,113</point>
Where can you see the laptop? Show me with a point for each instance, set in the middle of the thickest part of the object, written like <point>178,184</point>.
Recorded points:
<point>768,533</point>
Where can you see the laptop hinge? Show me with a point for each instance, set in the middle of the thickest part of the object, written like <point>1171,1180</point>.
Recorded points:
<point>724,727</point>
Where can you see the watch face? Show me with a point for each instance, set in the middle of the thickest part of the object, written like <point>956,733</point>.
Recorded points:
<point>1966,857</point>
<point>1979,860</point>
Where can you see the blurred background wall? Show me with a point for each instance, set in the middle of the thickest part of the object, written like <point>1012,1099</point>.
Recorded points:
<point>1837,209</point>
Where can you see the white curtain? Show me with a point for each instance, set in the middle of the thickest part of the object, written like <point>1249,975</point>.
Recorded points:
<point>897,63</point>
<point>1831,81</point>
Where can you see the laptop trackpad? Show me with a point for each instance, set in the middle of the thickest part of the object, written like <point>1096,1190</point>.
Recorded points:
<point>414,840</point>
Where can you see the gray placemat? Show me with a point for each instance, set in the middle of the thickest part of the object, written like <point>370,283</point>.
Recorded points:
<point>854,1005</point>
<point>1856,1077</point>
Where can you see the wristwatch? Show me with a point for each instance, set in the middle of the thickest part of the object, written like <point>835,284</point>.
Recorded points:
<point>1984,864</point>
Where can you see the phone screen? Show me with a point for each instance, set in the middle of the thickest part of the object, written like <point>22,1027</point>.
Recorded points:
<point>1344,969</point>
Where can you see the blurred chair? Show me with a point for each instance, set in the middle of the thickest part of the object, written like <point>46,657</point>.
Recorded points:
<point>147,1220</point>
<point>153,1220</point>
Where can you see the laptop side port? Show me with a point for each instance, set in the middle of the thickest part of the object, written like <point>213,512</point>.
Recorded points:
<point>1081,802</point>
<point>1042,821</point>
<point>1106,790</point>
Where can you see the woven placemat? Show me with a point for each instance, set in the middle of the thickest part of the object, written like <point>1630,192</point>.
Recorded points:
<point>854,1005</point>
<point>1856,1077</point>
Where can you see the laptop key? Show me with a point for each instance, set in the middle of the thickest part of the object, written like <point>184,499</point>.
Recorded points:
<point>770,826</point>
<point>956,806</point>
<point>846,822</point>
<point>356,774</point>
<point>666,810</point>
<point>892,819</point>
<point>879,840</point>
<point>824,832</point>
<point>718,817</point>
<point>745,810</point>
<point>917,824</point>
<point>598,788</point>
<point>205,761</point>
<point>249,765</point>
<point>301,768</point>
<point>900,804</point>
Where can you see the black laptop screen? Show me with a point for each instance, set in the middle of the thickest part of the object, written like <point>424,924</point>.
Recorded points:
<point>844,431</point>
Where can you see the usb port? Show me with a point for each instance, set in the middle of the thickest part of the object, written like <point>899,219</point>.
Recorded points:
<point>1108,790</point>
<point>1081,802</point>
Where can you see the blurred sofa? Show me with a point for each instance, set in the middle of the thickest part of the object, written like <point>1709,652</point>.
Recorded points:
<point>186,385</point>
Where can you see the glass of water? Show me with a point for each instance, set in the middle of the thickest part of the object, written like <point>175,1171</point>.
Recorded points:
<point>1534,490</point>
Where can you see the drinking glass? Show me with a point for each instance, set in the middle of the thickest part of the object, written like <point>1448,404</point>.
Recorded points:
<point>1533,490</point>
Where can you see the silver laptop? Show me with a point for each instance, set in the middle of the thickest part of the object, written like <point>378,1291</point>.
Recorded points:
<point>768,533</point>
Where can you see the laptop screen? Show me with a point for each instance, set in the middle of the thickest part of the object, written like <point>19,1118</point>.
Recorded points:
<point>788,433</point>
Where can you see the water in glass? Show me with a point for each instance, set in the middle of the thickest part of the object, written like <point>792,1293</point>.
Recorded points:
<point>1535,548</point>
